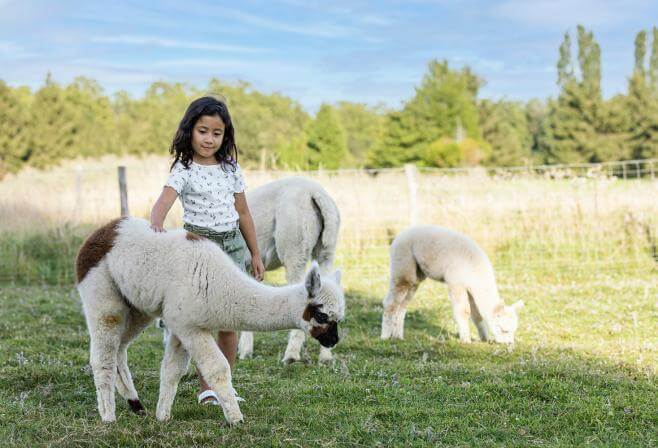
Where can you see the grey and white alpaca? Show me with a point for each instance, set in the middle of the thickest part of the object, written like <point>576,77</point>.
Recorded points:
<point>452,258</point>
<point>296,221</point>
<point>128,275</point>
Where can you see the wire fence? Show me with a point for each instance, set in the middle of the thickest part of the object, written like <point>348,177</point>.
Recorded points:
<point>553,222</point>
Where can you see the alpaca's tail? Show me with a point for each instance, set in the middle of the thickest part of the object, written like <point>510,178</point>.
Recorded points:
<point>325,248</point>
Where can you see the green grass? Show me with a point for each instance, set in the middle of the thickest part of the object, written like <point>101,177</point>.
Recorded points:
<point>582,373</point>
<point>44,257</point>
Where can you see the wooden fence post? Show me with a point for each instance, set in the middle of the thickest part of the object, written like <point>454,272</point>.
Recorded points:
<point>412,185</point>
<point>123,191</point>
<point>78,194</point>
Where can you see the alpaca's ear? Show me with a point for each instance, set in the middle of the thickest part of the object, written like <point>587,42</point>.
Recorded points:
<point>516,306</point>
<point>337,276</point>
<point>313,281</point>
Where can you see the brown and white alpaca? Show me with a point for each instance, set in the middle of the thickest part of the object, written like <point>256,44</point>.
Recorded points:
<point>296,222</point>
<point>128,275</point>
<point>452,258</point>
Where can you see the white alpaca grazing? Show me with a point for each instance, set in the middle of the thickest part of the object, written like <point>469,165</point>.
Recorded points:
<point>128,275</point>
<point>296,221</point>
<point>450,257</point>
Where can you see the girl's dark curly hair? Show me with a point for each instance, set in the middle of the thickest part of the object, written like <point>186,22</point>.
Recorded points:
<point>181,147</point>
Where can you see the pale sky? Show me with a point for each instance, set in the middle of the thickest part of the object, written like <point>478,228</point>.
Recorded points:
<point>313,51</point>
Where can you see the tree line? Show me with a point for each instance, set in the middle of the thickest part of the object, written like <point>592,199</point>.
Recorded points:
<point>444,124</point>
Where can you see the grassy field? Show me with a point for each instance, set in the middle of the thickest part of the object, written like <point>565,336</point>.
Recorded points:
<point>582,373</point>
<point>580,251</point>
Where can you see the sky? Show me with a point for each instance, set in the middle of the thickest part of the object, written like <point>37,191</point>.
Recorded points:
<point>314,51</point>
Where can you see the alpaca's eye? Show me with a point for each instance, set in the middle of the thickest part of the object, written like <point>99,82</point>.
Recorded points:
<point>320,317</point>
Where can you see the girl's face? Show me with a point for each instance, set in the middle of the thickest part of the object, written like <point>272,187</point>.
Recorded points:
<point>207,137</point>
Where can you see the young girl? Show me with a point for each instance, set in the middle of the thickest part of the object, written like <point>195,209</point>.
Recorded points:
<point>205,175</point>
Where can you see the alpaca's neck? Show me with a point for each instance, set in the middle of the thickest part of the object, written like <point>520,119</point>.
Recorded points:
<point>259,307</point>
<point>486,297</point>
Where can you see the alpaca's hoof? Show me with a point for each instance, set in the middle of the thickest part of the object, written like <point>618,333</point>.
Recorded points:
<point>289,358</point>
<point>162,416</point>
<point>246,355</point>
<point>233,417</point>
<point>236,420</point>
<point>245,348</point>
<point>108,416</point>
<point>136,407</point>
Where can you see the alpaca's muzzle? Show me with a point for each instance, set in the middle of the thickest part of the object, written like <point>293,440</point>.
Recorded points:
<point>328,336</point>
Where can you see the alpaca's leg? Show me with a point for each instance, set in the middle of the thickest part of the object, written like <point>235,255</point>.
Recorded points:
<point>461,311</point>
<point>295,274</point>
<point>136,323</point>
<point>174,365</point>
<point>293,351</point>
<point>246,345</point>
<point>106,314</point>
<point>478,320</point>
<point>391,305</point>
<point>395,309</point>
<point>215,370</point>
<point>103,348</point>
<point>325,354</point>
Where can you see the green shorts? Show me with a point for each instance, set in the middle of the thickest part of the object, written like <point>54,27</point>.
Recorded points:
<point>231,242</point>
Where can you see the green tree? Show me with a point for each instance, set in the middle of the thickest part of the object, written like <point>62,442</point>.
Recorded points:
<point>149,124</point>
<point>641,105</point>
<point>327,140</point>
<point>444,106</point>
<point>536,112</point>
<point>293,154</point>
<point>14,136</point>
<point>448,153</point>
<point>93,119</point>
<point>564,66</point>
<point>653,62</point>
<point>505,127</point>
<point>640,53</point>
<point>264,124</point>
<point>589,61</point>
<point>579,126</point>
<point>52,126</point>
<point>570,133</point>
<point>363,126</point>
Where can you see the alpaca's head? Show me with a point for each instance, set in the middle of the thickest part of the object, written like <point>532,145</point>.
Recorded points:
<point>506,321</point>
<point>326,306</point>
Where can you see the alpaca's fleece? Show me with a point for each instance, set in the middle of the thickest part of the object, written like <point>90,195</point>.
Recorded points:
<point>129,274</point>
<point>296,221</point>
<point>452,258</point>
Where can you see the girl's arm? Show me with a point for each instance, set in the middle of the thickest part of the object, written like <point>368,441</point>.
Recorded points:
<point>161,208</point>
<point>249,232</point>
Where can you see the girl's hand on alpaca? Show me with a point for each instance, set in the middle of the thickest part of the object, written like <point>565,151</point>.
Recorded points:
<point>157,228</point>
<point>257,268</point>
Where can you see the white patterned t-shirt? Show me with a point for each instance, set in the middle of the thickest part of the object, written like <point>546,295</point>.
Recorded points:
<point>206,194</point>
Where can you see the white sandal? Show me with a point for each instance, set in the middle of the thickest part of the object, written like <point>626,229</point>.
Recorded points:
<point>208,397</point>
<point>204,396</point>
